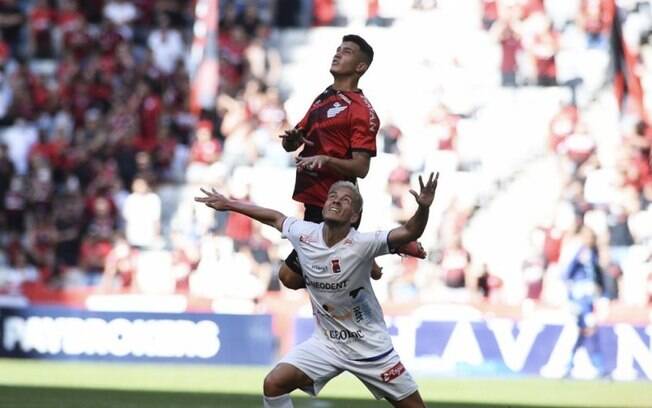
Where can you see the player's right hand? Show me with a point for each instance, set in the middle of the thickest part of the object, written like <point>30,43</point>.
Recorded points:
<point>213,200</point>
<point>293,138</point>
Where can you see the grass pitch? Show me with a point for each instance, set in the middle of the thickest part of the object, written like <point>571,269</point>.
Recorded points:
<point>41,384</point>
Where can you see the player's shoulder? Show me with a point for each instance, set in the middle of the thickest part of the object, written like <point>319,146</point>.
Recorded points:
<point>296,223</point>
<point>363,238</point>
<point>361,104</point>
<point>304,231</point>
<point>359,97</point>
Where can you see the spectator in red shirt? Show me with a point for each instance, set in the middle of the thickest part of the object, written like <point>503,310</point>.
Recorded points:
<point>205,149</point>
<point>150,112</point>
<point>544,51</point>
<point>94,252</point>
<point>41,18</point>
<point>11,23</point>
<point>69,18</point>
<point>594,18</point>
<point>119,267</point>
<point>510,44</point>
<point>489,13</point>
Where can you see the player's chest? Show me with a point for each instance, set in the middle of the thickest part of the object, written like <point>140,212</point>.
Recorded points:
<point>332,115</point>
<point>325,263</point>
<point>332,274</point>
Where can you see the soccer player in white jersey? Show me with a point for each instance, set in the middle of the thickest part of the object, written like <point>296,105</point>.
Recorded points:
<point>351,334</point>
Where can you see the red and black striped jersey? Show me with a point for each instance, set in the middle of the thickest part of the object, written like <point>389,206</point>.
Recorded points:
<point>338,123</point>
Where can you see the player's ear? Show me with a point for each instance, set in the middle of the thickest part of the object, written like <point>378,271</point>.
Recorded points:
<point>355,217</point>
<point>361,68</point>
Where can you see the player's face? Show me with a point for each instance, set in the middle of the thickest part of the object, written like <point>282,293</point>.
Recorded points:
<point>339,206</point>
<point>347,59</point>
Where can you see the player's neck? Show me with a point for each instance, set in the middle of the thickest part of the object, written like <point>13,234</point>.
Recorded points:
<point>345,83</point>
<point>334,232</point>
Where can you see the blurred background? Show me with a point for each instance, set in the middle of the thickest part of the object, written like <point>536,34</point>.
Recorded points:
<point>537,114</point>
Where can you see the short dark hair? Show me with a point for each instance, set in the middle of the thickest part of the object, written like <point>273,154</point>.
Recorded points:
<point>364,46</point>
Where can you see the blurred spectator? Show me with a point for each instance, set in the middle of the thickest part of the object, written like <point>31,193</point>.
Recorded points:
<point>488,284</point>
<point>544,48</point>
<point>7,171</point>
<point>122,13</point>
<point>93,256</point>
<point>12,20</point>
<point>443,125</point>
<point>595,18</point>
<point>205,151</point>
<point>41,20</point>
<point>15,206</point>
<point>142,215</point>
<point>510,44</point>
<point>390,134</point>
<point>15,273</point>
<point>489,13</point>
<point>399,192</point>
<point>166,45</point>
<point>455,264</point>
<point>19,138</point>
<point>584,280</point>
<point>40,242</point>
<point>119,268</point>
<point>68,221</point>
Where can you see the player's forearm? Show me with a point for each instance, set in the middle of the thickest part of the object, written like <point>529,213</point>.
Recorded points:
<point>349,167</point>
<point>417,224</point>
<point>411,230</point>
<point>267,216</point>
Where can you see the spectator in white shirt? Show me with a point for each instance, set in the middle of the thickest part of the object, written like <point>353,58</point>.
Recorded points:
<point>142,214</point>
<point>19,138</point>
<point>166,45</point>
<point>122,13</point>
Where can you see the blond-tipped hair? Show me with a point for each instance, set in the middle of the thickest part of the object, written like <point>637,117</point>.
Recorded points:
<point>357,197</point>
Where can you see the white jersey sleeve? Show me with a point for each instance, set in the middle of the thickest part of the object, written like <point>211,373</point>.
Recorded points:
<point>373,244</point>
<point>291,229</point>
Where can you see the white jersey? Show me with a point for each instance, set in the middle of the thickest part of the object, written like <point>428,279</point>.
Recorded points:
<point>348,316</point>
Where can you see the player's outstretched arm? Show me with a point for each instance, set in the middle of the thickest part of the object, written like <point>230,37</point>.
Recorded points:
<point>218,202</point>
<point>414,227</point>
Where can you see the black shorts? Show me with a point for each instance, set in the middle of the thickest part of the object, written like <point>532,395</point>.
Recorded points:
<point>311,213</point>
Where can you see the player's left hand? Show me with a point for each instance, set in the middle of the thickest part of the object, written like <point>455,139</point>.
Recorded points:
<point>312,162</point>
<point>427,193</point>
<point>213,200</point>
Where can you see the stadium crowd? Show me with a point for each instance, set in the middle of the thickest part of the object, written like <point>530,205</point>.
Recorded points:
<point>98,144</point>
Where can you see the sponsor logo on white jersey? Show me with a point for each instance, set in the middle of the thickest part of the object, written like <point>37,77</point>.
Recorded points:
<point>328,286</point>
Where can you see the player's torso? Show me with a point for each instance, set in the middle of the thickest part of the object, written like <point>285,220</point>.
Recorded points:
<point>329,126</point>
<point>337,279</point>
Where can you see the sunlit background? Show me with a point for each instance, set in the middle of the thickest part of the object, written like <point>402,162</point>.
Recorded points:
<point>536,113</point>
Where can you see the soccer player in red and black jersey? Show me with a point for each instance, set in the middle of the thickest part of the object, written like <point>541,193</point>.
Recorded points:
<point>338,135</point>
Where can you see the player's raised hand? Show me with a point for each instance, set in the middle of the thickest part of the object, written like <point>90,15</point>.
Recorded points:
<point>213,199</point>
<point>427,192</point>
<point>295,137</point>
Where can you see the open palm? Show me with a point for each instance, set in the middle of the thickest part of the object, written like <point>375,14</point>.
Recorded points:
<point>426,194</point>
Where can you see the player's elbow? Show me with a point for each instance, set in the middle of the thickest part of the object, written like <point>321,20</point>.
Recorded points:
<point>362,171</point>
<point>290,279</point>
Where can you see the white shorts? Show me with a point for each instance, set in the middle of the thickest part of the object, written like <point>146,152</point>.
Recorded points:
<point>385,377</point>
